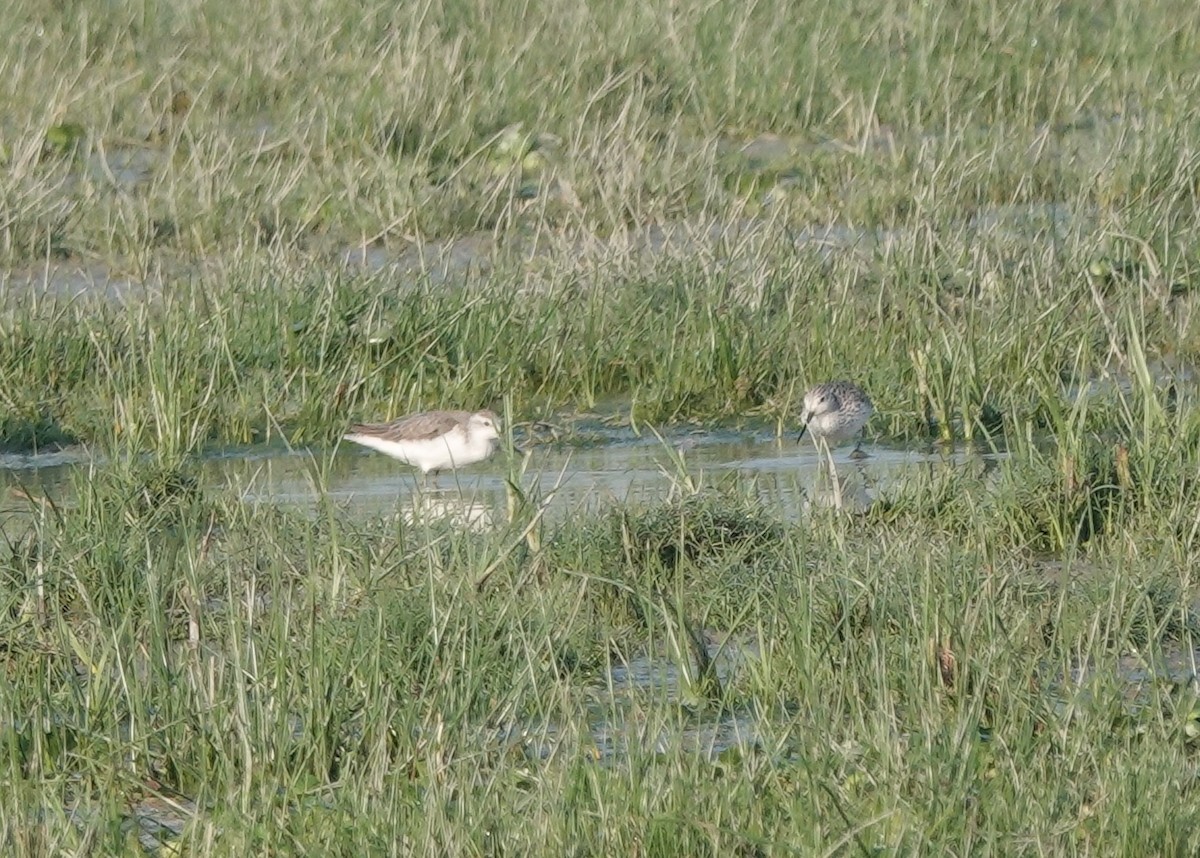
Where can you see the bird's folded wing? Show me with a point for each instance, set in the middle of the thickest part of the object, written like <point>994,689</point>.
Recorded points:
<point>416,427</point>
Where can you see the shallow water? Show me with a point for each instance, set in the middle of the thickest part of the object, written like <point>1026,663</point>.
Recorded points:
<point>616,466</point>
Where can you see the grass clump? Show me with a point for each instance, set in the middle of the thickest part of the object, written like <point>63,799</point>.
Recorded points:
<point>699,529</point>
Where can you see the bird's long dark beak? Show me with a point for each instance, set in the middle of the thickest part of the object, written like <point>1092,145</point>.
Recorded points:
<point>803,428</point>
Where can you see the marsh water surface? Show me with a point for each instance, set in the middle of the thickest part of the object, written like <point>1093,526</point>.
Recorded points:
<point>615,466</point>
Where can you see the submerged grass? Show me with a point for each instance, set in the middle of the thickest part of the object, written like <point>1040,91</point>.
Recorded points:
<point>297,217</point>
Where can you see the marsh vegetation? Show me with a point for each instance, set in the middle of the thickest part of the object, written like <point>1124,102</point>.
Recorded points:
<point>230,226</point>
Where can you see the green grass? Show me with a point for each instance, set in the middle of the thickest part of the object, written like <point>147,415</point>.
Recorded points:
<point>1008,193</point>
<point>350,683</point>
<point>270,349</point>
<point>321,127</point>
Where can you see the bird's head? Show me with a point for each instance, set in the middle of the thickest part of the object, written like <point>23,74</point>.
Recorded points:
<point>817,402</point>
<point>486,424</point>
